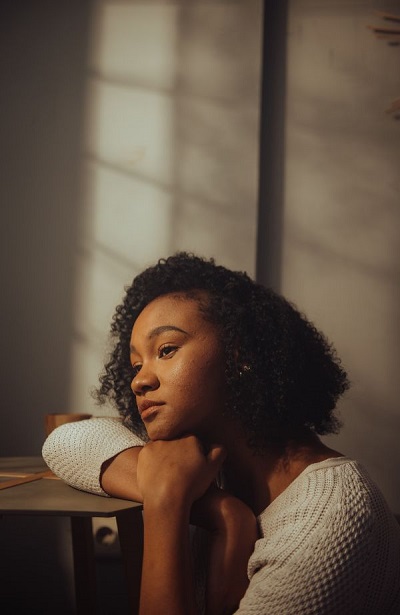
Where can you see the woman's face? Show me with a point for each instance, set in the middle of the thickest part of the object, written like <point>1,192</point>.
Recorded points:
<point>178,367</point>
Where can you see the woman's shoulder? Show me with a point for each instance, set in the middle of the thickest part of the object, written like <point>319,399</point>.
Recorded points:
<point>334,491</point>
<point>328,536</point>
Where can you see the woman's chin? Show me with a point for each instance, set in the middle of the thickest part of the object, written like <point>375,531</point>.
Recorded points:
<point>163,432</point>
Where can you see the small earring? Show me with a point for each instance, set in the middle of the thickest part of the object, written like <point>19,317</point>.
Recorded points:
<point>245,368</point>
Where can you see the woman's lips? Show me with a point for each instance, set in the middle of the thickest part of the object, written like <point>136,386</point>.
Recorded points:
<point>149,413</point>
<point>148,409</point>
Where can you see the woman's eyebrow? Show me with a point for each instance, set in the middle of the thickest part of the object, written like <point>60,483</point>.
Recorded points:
<point>158,330</point>
<point>163,328</point>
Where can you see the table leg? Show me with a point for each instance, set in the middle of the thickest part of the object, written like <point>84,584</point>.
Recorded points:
<point>84,565</point>
<point>130,532</point>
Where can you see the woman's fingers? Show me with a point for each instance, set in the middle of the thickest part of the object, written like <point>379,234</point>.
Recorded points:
<point>216,455</point>
<point>178,466</point>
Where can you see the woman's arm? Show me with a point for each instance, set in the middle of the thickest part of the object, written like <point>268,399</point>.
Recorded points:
<point>231,524</point>
<point>118,475</point>
<point>234,531</point>
<point>171,476</point>
<point>83,452</point>
<point>102,449</point>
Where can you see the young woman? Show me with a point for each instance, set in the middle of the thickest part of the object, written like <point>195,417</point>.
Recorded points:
<point>223,388</point>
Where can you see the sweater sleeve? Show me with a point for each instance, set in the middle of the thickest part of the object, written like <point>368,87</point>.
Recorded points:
<point>76,451</point>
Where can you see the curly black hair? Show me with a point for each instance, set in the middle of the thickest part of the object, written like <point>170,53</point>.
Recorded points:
<point>283,376</point>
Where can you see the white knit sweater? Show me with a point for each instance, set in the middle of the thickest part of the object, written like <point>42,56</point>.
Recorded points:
<point>329,544</point>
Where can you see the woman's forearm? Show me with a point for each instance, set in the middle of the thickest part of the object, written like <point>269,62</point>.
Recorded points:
<point>171,476</point>
<point>227,579</point>
<point>167,577</point>
<point>233,529</point>
<point>118,475</point>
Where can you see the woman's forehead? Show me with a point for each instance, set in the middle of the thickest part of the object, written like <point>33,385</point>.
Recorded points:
<point>176,309</point>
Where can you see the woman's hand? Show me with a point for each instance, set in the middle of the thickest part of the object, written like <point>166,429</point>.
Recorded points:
<point>171,475</point>
<point>177,470</point>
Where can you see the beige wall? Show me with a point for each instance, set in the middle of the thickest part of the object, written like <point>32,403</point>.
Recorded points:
<point>129,131</point>
<point>43,50</point>
<point>170,152</point>
<point>342,215</point>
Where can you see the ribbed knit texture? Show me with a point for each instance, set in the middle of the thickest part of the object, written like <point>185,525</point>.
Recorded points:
<point>329,543</point>
<point>76,451</point>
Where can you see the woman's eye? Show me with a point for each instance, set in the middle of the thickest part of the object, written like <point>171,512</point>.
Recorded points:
<point>166,351</point>
<point>135,370</point>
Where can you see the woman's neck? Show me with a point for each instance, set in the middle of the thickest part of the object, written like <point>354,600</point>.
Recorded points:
<point>258,479</point>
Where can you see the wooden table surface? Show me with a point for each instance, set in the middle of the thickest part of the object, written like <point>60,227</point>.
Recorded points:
<point>52,497</point>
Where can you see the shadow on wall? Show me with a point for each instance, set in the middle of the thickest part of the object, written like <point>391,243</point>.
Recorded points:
<point>170,153</point>
<point>342,219</point>
<point>216,119</point>
<point>43,49</point>
<point>130,132</point>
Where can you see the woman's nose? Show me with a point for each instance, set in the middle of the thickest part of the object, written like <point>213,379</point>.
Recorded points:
<point>145,380</point>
